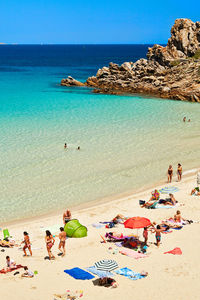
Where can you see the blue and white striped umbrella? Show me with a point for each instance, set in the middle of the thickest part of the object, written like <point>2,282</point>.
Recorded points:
<point>106,265</point>
<point>168,190</point>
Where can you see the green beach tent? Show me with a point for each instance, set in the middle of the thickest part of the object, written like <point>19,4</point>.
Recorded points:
<point>74,229</point>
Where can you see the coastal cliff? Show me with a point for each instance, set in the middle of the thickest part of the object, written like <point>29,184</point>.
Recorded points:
<point>171,72</point>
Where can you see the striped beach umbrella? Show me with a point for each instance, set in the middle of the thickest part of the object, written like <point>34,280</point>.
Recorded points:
<point>106,265</point>
<point>168,190</point>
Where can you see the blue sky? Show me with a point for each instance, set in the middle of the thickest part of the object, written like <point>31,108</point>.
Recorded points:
<point>91,22</point>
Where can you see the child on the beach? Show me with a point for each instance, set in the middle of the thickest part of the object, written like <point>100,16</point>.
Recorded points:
<point>27,244</point>
<point>28,273</point>
<point>145,235</point>
<point>158,231</point>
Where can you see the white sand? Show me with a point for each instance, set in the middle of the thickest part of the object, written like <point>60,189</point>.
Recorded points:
<point>170,276</point>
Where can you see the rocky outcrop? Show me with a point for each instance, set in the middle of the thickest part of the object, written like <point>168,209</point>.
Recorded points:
<point>183,43</point>
<point>168,72</point>
<point>70,81</point>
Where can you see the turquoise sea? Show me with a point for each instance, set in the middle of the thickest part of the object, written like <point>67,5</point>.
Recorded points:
<point>126,142</point>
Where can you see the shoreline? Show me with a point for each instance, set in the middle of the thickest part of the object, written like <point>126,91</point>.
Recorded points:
<point>115,198</point>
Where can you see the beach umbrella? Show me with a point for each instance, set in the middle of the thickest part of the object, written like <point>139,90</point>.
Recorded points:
<point>106,265</point>
<point>137,222</point>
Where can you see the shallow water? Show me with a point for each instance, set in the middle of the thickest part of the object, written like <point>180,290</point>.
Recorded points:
<point>126,141</point>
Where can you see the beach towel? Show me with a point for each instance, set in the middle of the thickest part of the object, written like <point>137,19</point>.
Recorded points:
<point>11,269</point>
<point>166,206</point>
<point>78,273</point>
<point>132,253</point>
<point>129,273</point>
<point>97,225</point>
<point>100,274</point>
<point>175,251</point>
<point>168,190</point>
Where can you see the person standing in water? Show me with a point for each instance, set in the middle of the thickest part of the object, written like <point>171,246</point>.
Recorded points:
<point>170,173</point>
<point>65,146</point>
<point>184,119</point>
<point>62,237</point>
<point>179,172</point>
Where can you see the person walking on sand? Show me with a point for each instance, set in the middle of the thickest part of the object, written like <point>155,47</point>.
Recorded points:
<point>62,237</point>
<point>158,231</point>
<point>170,173</point>
<point>27,244</point>
<point>179,172</point>
<point>49,240</point>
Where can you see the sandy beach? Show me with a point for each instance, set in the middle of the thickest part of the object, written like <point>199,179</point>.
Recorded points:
<point>168,275</point>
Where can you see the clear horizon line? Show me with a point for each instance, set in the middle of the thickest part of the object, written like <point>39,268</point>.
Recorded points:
<point>76,44</point>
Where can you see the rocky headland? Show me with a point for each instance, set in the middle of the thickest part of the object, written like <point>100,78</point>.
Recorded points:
<point>171,72</point>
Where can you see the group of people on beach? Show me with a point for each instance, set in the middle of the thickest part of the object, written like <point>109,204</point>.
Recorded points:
<point>50,240</point>
<point>170,173</point>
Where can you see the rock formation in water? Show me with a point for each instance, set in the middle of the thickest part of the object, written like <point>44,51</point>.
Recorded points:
<point>168,72</point>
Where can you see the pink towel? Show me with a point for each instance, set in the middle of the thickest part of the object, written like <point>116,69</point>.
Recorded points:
<point>132,253</point>
<point>175,251</point>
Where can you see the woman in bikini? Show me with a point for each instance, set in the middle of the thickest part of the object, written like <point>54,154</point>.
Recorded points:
<point>49,239</point>
<point>158,231</point>
<point>27,243</point>
<point>179,172</point>
<point>170,173</point>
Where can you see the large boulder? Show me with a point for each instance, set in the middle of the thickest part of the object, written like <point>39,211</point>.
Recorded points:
<point>183,43</point>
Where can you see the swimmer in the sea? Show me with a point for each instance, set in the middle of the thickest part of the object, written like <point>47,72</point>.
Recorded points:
<point>65,146</point>
<point>79,148</point>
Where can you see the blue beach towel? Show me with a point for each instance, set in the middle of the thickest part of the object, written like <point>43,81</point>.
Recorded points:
<point>78,273</point>
<point>100,274</point>
<point>168,190</point>
<point>129,273</point>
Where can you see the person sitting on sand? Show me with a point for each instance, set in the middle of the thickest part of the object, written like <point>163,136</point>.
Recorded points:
<point>28,273</point>
<point>158,231</point>
<point>62,237</point>
<point>172,201</point>
<point>67,216</point>
<point>170,173</point>
<point>155,196</point>
<point>11,264</point>
<point>27,244</point>
<point>178,218</point>
<point>195,191</point>
<point>49,240</point>
<point>7,244</point>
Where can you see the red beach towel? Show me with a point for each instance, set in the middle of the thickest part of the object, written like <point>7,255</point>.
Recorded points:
<point>175,251</point>
<point>11,269</point>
